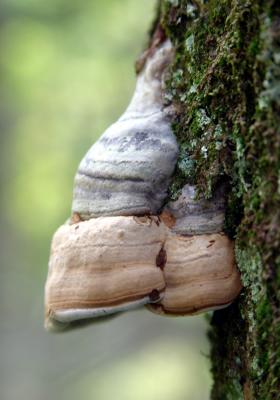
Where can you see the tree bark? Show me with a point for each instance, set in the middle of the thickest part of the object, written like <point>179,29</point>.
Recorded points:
<point>225,87</point>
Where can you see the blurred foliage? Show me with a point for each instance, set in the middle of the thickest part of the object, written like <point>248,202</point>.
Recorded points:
<point>163,370</point>
<point>66,73</point>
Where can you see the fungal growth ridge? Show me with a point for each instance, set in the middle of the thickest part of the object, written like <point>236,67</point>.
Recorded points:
<point>128,170</point>
<point>111,264</point>
<point>124,247</point>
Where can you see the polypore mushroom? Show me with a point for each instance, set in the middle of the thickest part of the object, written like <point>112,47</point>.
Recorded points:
<point>128,170</point>
<point>200,272</point>
<point>112,264</point>
<point>117,253</point>
<point>103,266</point>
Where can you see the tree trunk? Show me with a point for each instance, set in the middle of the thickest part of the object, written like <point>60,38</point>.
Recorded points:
<point>225,87</point>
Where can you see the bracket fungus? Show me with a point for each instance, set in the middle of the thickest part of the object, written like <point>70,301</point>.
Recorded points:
<point>128,170</point>
<point>123,246</point>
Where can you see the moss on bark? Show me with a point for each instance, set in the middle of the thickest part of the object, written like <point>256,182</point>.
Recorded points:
<point>225,87</point>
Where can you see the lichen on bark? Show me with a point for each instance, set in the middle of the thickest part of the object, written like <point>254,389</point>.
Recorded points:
<point>225,87</point>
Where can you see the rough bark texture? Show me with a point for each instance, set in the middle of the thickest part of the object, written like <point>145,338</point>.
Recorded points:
<point>225,87</point>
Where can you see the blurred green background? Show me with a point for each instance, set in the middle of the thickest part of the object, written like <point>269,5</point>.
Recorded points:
<point>66,73</point>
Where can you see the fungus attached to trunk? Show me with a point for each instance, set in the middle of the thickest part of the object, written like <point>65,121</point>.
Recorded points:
<point>103,266</point>
<point>128,170</point>
<point>121,248</point>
